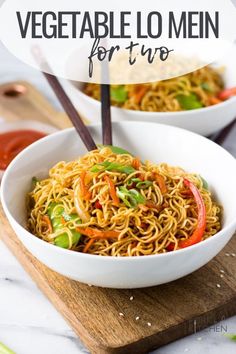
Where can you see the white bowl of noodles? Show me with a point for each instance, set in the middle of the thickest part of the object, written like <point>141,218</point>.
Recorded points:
<point>205,121</point>
<point>157,143</point>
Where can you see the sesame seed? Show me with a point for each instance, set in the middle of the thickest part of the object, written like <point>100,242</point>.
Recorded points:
<point>222,271</point>
<point>222,276</point>
<point>121,314</point>
<point>131,298</point>
<point>199,338</point>
<point>137,318</point>
<point>149,324</point>
<point>233,254</point>
<point>218,285</point>
<point>227,254</point>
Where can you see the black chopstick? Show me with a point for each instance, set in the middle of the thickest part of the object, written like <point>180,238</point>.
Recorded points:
<point>71,112</point>
<point>106,115</point>
<point>105,101</point>
<point>221,137</point>
<point>65,102</point>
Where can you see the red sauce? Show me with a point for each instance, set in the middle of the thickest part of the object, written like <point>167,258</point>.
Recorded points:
<point>13,142</point>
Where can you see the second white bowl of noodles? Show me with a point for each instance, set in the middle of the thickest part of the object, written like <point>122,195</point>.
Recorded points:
<point>204,121</point>
<point>158,143</point>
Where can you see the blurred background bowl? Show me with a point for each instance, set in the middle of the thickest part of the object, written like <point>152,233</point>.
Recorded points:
<point>204,121</point>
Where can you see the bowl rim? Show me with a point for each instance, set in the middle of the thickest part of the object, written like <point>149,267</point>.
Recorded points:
<point>132,112</point>
<point>63,251</point>
<point>27,124</point>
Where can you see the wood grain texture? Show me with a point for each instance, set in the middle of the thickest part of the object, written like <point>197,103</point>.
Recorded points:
<point>174,310</point>
<point>21,100</point>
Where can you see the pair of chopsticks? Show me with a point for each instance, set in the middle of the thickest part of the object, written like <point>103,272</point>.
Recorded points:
<point>70,109</point>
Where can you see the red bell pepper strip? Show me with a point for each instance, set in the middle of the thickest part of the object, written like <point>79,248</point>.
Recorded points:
<point>227,93</point>
<point>98,205</point>
<point>170,247</point>
<point>201,224</point>
<point>197,235</point>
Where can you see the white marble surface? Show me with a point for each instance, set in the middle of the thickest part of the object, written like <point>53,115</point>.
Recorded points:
<point>29,324</point>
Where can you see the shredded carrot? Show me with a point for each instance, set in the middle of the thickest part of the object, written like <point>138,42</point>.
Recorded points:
<point>139,94</point>
<point>136,163</point>
<point>214,100</point>
<point>142,177</point>
<point>112,191</point>
<point>161,182</point>
<point>48,222</point>
<point>88,245</point>
<point>95,233</point>
<point>152,205</point>
<point>86,195</point>
<point>63,221</point>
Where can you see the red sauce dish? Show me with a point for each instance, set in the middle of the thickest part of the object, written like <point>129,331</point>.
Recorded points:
<point>13,142</point>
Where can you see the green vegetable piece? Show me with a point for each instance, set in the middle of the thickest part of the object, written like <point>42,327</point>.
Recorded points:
<point>119,94</point>
<point>51,208</point>
<point>56,212</point>
<point>100,167</point>
<point>138,197</point>
<point>112,166</point>
<point>35,180</point>
<point>5,350</point>
<point>231,336</point>
<point>123,194</point>
<point>124,169</point>
<point>133,180</point>
<point>131,198</point>
<point>71,217</point>
<point>189,102</point>
<point>205,86</point>
<point>116,150</point>
<point>139,184</point>
<point>136,180</point>
<point>56,224</point>
<point>144,184</point>
<point>204,183</point>
<point>63,240</point>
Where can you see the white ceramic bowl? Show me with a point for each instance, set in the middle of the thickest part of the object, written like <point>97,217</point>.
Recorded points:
<point>204,121</point>
<point>25,125</point>
<point>149,141</point>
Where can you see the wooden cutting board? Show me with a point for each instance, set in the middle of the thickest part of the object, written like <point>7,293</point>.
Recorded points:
<point>136,321</point>
<point>19,100</point>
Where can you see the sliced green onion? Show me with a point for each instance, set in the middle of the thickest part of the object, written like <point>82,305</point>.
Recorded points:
<point>138,197</point>
<point>144,184</point>
<point>131,197</point>
<point>139,183</point>
<point>100,167</point>
<point>112,166</point>
<point>116,150</point>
